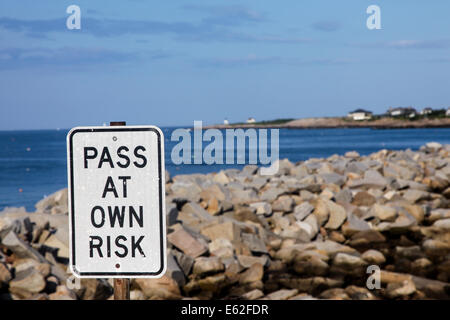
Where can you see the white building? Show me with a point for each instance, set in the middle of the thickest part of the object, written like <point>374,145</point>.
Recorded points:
<point>360,114</point>
<point>447,113</point>
<point>405,112</point>
<point>426,111</point>
<point>251,120</point>
<point>226,121</point>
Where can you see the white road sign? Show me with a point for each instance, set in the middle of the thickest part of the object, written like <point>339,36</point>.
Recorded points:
<point>116,202</point>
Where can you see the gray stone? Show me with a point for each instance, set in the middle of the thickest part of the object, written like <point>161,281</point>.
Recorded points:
<point>303,210</point>
<point>20,247</point>
<point>56,203</point>
<point>263,208</point>
<point>205,265</point>
<point>283,203</point>
<point>184,261</point>
<point>27,282</point>
<point>248,261</point>
<point>333,178</point>
<point>337,216</point>
<point>373,257</point>
<point>415,195</point>
<point>384,213</point>
<point>254,243</point>
<point>184,241</point>
<point>174,271</point>
<point>344,196</point>
<point>400,289</point>
<point>271,194</point>
<point>282,294</point>
<point>198,211</point>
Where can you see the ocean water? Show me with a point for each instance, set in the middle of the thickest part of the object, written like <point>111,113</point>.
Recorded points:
<point>33,163</point>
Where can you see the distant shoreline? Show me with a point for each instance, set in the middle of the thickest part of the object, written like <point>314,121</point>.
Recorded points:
<point>332,123</point>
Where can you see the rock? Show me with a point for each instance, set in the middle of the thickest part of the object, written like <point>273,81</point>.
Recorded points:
<point>334,294</point>
<point>23,264</point>
<point>358,293</point>
<point>333,178</point>
<point>348,264</point>
<point>20,248</point>
<point>415,195</point>
<point>94,289</point>
<point>5,275</point>
<point>303,210</point>
<point>252,295</point>
<point>197,211</point>
<point>252,274</point>
<point>416,211</point>
<point>245,196</point>
<point>354,225</point>
<point>337,216</point>
<point>263,208</point>
<point>368,237</point>
<point>221,178</point>
<point>344,196</point>
<point>271,194</point>
<point>184,261</point>
<point>433,147</point>
<point>283,203</point>
<point>62,293</point>
<point>136,295</point>
<point>373,257</point>
<point>336,237</point>
<point>185,190</point>
<point>436,247</point>
<point>400,289</point>
<point>310,226</point>
<point>184,241</point>
<point>248,261</point>
<point>59,241</point>
<point>438,214</point>
<point>321,211</point>
<point>254,243</point>
<point>226,230</point>
<point>204,265</point>
<point>174,271</point>
<point>411,253</point>
<point>220,246</point>
<point>282,294</point>
<point>351,154</point>
<point>311,263</point>
<point>27,282</point>
<point>384,213</point>
<point>162,288</point>
<point>363,198</point>
<point>56,203</point>
<point>442,224</point>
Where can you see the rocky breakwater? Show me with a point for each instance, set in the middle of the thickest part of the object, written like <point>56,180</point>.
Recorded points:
<point>316,229</point>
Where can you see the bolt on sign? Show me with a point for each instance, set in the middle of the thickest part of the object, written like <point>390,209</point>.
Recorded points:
<point>116,202</point>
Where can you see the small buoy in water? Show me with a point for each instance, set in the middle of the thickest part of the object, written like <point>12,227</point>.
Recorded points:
<point>28,149</point>
<point>20,190</point>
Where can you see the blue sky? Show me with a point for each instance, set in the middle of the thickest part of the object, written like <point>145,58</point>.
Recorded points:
<point>171,62</point>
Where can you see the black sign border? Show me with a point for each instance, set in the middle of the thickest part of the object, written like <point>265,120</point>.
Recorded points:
<point>161,213</point>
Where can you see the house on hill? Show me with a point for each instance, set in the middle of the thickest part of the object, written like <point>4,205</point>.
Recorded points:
<point>402,112</point>
<point>360,114</point>
<point>426,111</point>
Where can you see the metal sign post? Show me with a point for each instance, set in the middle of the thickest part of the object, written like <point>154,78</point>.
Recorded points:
<point>116,203</point>
<point>121,285</point>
